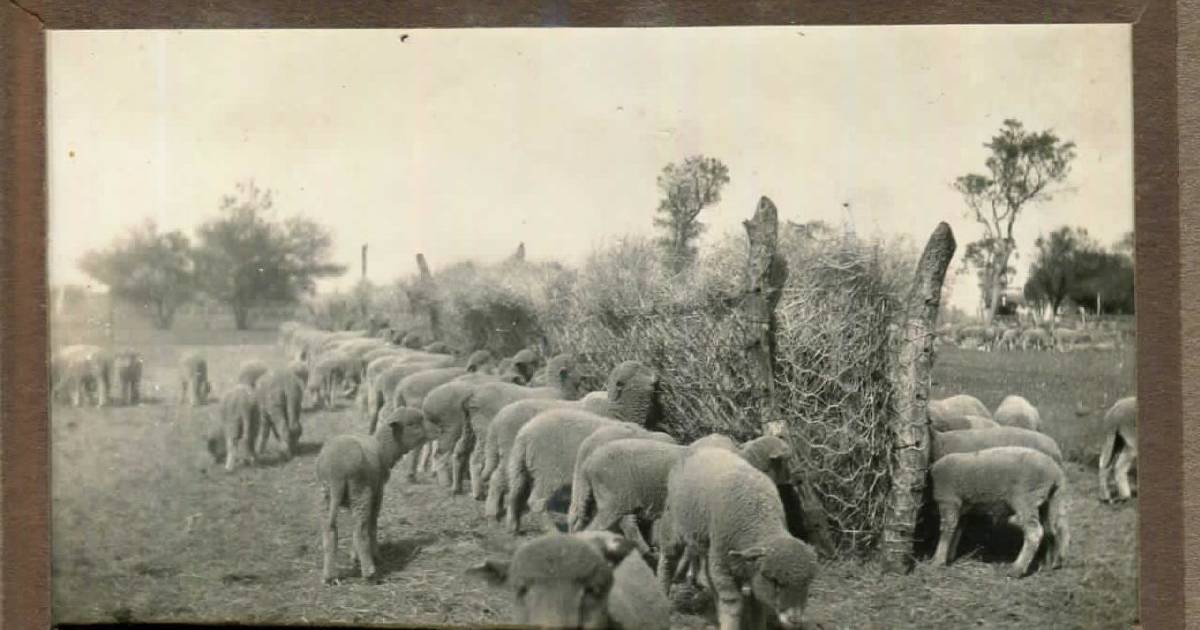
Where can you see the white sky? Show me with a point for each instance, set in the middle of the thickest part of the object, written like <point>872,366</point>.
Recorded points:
<point>460,143</point>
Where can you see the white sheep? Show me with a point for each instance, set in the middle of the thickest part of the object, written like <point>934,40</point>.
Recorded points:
<point>353,470</point>
<point>730,513</point>
<point>1120,438</point>
<point>1015,411</point>
<point>542,459</point>
<point>941,411</point>
<point>946,424</point>
<point>971,440</point>
<point>503,430</point>
<point>1021,480</point>
<point>584,580</point>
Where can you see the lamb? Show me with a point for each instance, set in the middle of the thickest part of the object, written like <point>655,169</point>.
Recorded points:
<point>279,394</point>
<point>628,477</point>
<point>584,580</point>
<point>542,459</point>
<point>298,369</point>
<point>193,379</point>
<point>353,470</point>
<point>960,405</point>
<point>730,513</point>
<point>946,424</point>
<point>1020,479</point>
<point>503,430</point>
<point>1120,438</point>
<point>411,390</point>
<point>487,400</point>
<point>971,440</point>
<point>238,425</point>
<point>250,371</point>
<point>445,407</point>
<point>1015,411</point>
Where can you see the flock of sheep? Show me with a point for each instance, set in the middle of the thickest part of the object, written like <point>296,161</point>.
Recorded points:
<point>525,434</point>
<point>1103,335</point>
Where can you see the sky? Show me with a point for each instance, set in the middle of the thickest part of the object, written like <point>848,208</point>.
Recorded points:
<point>460,143</point>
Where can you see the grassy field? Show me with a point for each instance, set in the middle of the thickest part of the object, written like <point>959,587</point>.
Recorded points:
<point>147,528</point>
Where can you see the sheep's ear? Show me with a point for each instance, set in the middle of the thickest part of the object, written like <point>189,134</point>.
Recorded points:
<point>494,572</point>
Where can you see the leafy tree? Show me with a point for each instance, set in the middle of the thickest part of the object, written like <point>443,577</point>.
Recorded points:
<point>1022,168</point>
<point>148,268</point>
<point>687,189</point>
<point>1055,269</point>
<point>1069,264</point>
<point>244,258</point>
<point>981,256</point>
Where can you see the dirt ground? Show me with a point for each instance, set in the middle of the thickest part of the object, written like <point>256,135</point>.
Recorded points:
<point>148,528</point>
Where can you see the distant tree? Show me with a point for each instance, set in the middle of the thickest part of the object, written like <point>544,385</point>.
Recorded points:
<point>1056,266</point>
<point>1069,264</point>
<point>244,258</point>
<point>1125,245</point>
<point>687,189</point>
<point>147,268</point>
<point>980,256</point>
<point>1022,168</point>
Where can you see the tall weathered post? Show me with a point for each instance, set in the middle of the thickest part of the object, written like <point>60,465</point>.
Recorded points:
<point>766,273</point>
<point>909,421</point>
<point>428,292</point>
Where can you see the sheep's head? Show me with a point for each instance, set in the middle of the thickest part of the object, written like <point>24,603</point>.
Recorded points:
<point>439,347</point>
<point>778,574</point>
<point>479,360</point>
<point>771,455</point>
<point>524,363</point>
<point>412,340</point>
<point>559,581</point>
<point>561,372</point>
<point>633,388</point>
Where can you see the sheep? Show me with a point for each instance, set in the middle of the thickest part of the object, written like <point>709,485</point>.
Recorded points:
<point>584,580</point>
<point>503,430</point>
<point>237,427</point>
<point>353,470</point>
<point>542,459</point>
<point>730,513</point>
<point>1120,438</point>
<point>1015,411</point>
<point>487,400</point>
<point>971,440</point>
<point>1021,479</point>
<point>279,395</point>
<point>250,371</point>
<point>627,478</point>
<point>955,406</point>
<point>298,369</point>
<point>411,390</point>
<point>194,386</point>
<point>945,424</point>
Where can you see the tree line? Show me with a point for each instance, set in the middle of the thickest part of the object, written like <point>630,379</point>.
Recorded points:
<point>242,258</point>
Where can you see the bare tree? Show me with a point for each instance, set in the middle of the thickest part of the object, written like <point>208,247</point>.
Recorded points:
<point>1022,168</point>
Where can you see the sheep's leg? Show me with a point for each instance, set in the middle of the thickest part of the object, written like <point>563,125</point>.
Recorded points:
<point>1106,459</point>
<point>948,513</point>
<point>373,533</point>
<point>476,463</point>
<point>668,560</point>
<point>1121,471</point>
<point>231,447</point>
<point>725,588</point>
<point>538,497</point>
<point>410,473</point>
<point>329,534</point>
<point>497,486</point>
<point>517,485</point>
<point>361,502</point>
<point>1027,520</point>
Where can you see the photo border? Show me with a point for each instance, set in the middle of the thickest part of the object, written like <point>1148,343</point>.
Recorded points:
<point>24,430</point>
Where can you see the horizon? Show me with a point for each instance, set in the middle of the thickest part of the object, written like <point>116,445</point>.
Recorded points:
<point>417,142</point>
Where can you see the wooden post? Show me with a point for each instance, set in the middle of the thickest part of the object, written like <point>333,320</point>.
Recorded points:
<point>429,294</point>
<point>766,273</point>
<point>909,421</point>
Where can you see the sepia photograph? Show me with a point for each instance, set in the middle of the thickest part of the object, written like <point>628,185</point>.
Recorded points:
<point>820,327</point>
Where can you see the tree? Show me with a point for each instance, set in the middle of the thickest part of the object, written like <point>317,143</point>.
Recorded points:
<point>687,189</point>
<point>1022,169</point>
<point>1055,268</point>
<point>245,258</point>
<point>1105,282</point>
<point>147,268</point>
<point>981,256</point>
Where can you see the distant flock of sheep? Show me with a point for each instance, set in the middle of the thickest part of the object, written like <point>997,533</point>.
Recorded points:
<point>1102,336</point>
<point>524,433</point>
